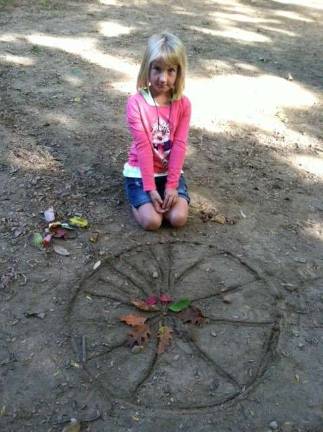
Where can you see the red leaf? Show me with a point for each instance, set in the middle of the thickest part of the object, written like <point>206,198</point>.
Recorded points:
<point>139,335</point>
<point>191,315</point>
<point>165,298</point>
<point>164,337</point>
<point>133,320</point>
<point>142,305</point>
<point>151,300</point>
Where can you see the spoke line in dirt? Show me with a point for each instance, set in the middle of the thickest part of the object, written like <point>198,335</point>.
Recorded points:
<point>189,269</point>
<point>92,321</point>
<point>256,272</point>
<point>107,296</point>
<point>108,351</point>
<point>230,289</point>
<point>130,279</point>
<point>240,322</point>
<point>183,333</point>
<point>160,268</point>
<point>114,285</point>
<point>170,276</point>
<point>139,273</point>
<point>147,374</point>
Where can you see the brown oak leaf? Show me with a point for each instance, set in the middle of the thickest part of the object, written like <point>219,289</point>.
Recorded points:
<point>164,338</point>
<point>142,305</point>
<point>191,315</point>
<point>133,320</point>
<point>139,335</point>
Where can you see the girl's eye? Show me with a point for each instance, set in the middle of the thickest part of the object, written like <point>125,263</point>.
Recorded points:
<point>171,70</point>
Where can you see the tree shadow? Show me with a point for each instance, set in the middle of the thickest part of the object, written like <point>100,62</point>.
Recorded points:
<point>71,108</point>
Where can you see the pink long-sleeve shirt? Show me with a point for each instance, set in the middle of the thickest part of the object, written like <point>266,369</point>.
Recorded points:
<point>150,143</point>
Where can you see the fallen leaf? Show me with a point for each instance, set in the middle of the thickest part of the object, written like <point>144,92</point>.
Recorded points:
<point>47,240</point>
<point>133,320</point>
<point>219,218</point>
<point>165,298</point>
<point>142,305</point>
<point>40,315</point>
<point>297,378</point>
<point>78,222</point>
<point>180,305</point>
<point>37,240</point>
<point>192,315</point>
<point>62,233</point>
<point>96,265</point>
<point>94,237</point>
<point>139,335</point>
<point>60,250</point>
<point>151,300</point>
<point>164,336</point>
<point>49,215</point>
<point>73,426</point>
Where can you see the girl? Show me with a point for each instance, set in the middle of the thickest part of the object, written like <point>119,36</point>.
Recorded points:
<point>158,117</point>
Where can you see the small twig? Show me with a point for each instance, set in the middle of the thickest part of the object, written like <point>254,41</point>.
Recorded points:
<point>83,349</point>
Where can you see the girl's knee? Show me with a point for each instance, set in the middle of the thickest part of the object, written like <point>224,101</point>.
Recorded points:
<point>178,219</point>
<point>151,223</point>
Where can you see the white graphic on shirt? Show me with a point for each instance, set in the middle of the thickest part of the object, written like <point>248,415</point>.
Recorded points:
<point>161,140</point>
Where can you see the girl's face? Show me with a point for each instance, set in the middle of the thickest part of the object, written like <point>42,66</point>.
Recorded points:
<point>162,78</point>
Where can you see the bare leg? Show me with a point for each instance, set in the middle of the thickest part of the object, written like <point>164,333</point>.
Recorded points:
<point>177,215</point>
<point>147,217</point>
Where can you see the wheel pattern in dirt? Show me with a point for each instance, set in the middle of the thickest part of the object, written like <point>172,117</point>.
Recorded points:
<point>204,366</point>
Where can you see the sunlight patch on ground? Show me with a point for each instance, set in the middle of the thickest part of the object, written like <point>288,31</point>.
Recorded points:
<point>311,164</point>
<point>227,17</point>
<point>314,230</point>
<point>292,15</point>
<point>109,2</point>
<point>233,33</point>
<point>9,37</point>
<point>86,49</point>
<point>18,60</point>
<point>248,67</point>
<point>278,30</point>
<point>62,119</point>
<point>33,159</point>
<point>73,80</point>
<point>314,4</point>
<point>112,29</point>
<point>247,100</point>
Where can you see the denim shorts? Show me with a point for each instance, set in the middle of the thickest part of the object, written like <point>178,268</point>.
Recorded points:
<point>137,196</point>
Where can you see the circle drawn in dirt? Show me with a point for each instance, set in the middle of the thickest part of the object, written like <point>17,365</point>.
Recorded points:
<point>204,366</point>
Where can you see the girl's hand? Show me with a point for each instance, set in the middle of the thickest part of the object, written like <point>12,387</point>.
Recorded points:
<point>171,197</point>
<point>157,201</point>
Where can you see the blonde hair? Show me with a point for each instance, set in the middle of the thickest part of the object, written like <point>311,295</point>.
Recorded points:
<point>171,50</point>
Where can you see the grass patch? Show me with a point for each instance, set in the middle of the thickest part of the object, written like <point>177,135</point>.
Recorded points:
<point>4,3</point>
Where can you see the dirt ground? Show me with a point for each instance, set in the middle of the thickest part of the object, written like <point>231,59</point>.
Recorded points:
<point>250,257</point>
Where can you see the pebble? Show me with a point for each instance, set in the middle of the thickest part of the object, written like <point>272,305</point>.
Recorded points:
<point>287,427</point>
<point>226,299</point>
<point>300,260</point>
<point>155,275</point>
<point>213,333</point>
<point>176,357</point>
<point>273,425</point>
<point>137,349</point>
<point>73,426</point>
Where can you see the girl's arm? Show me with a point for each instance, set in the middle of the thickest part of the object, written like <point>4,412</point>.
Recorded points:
<point>177,154</point>
<point>140,137</point>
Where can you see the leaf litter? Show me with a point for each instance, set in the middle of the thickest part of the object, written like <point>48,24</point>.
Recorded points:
<point>141,331</point>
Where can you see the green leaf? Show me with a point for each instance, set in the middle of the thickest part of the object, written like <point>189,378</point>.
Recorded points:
<point>180,305</point>
<point>78,222</point>
<point>37,240</point>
